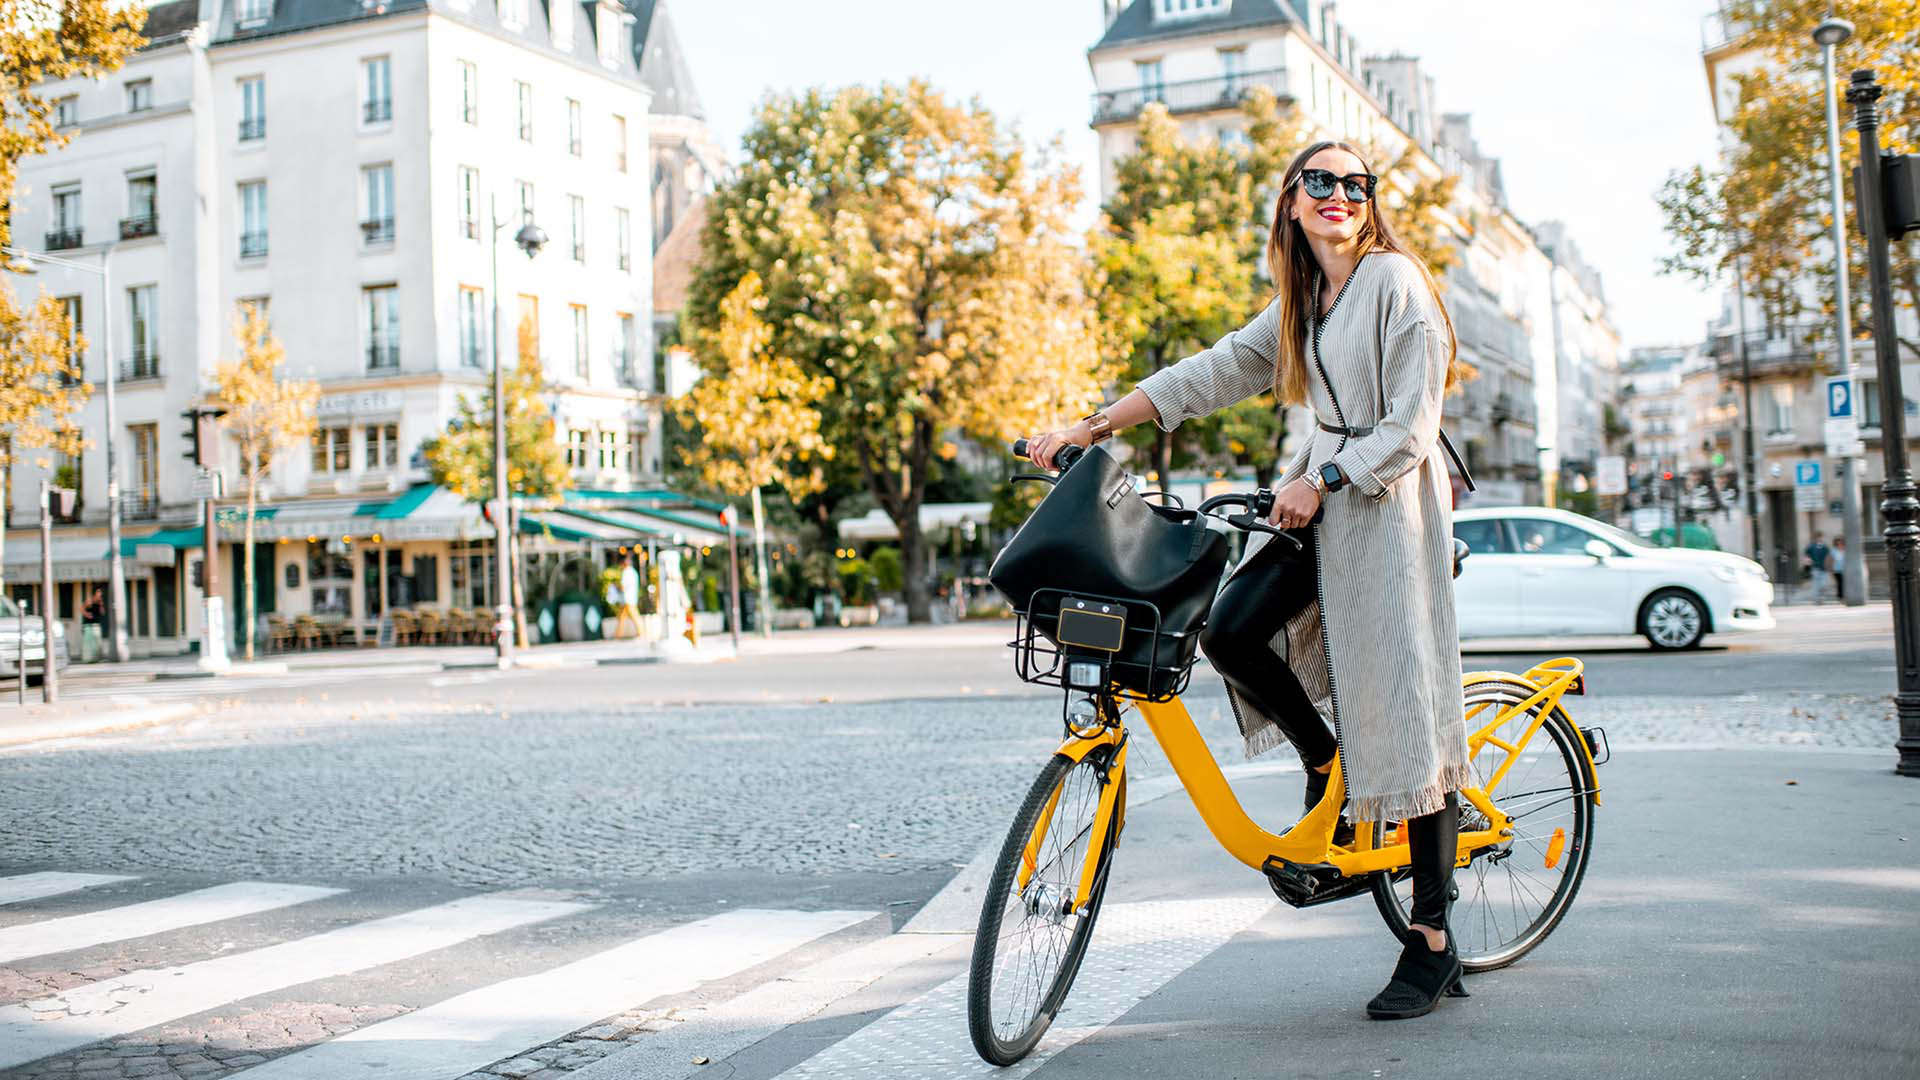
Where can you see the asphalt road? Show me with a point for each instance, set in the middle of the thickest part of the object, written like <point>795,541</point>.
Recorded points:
<point>651,796</point>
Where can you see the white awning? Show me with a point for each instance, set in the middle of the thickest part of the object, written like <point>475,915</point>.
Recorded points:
<point>934,518</point>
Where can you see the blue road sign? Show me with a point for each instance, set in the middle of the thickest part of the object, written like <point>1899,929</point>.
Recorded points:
<point>1839,397</point>
<point>1806,473</point>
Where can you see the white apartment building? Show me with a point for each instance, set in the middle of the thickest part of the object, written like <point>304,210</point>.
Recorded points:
<point>1200,57</point>
<point>346,166</point>
<point>1587,355</point>
<point>1787,364</point>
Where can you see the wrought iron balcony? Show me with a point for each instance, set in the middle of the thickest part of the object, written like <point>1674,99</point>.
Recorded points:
<point>377,231</point>
<point>139,506</point>
<point>64,239</point>
<point>143,364</point>
<point>1503,409</point>
<point>253,127</point>
<point>383,357</point>
<point>378,112</point>
<point>1766,353</point>
<point>1193,95</point>
<point>253,245</point>
<point>132,228</point>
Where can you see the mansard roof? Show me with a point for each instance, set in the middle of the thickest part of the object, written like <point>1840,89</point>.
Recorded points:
<point>1136,24</point>
<point>167,22</point>
<point>663,64</point>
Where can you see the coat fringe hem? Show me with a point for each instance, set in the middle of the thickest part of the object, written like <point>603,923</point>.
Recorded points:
<point>1401,805</point>
<point>1263,738</point>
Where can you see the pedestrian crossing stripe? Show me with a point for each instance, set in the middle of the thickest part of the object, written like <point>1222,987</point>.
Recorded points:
<point>468,1032</point>
<point>20,888</point>
<point>153,917</point>
<point>89,1013</point>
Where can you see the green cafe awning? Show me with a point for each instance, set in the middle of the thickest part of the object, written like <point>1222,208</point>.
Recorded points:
<point>177,538</point>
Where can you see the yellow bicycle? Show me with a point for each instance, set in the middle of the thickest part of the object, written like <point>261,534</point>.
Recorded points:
<point>1526,822</point>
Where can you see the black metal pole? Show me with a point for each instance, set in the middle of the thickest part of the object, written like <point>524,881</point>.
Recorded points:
<point>49,669</point>
<point>1746,408</point>
<point>1898,506</point>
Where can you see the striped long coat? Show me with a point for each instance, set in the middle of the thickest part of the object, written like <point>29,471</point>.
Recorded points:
<point>1380,652</point>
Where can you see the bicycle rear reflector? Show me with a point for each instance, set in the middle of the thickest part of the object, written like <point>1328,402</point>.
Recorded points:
<point>1092,624</point>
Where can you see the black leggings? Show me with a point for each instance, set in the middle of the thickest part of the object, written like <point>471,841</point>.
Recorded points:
<point>1256,604</point>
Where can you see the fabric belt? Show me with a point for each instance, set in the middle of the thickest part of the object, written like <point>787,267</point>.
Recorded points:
<point>1446,443</point>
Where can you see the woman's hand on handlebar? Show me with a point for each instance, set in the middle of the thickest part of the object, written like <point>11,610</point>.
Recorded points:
<point>1295,505</point>
<point>1041,448</point>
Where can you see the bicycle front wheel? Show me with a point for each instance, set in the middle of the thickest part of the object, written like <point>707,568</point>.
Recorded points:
<point>1031,938</point>
<point>1512,894</point>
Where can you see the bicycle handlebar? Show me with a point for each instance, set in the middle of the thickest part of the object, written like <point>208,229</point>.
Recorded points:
<point>1257,504</point>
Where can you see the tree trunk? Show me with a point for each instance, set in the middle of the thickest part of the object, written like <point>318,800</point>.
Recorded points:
<point>6,515</point>
<point>913,550</point>
<point>246,558</point>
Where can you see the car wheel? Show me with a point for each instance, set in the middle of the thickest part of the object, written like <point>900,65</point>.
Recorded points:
<point>1673,619</point>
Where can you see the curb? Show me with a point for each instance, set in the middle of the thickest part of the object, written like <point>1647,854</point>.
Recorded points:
<point>120,720</point>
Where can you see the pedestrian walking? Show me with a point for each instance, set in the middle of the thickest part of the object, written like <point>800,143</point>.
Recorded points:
<point>1356,331</point>
<point>1815,566</point>
<point>1837,561</point>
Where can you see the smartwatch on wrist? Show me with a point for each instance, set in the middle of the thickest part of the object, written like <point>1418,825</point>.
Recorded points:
<point>1331,478</point>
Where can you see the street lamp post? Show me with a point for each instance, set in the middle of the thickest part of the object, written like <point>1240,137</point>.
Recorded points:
<point>531,238</point>
<point>1898,506</point>
<point>1853,577</point>
<point>116,569</point>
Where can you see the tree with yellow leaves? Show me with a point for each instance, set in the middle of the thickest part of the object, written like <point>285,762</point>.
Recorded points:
<point>41,388</point>
<point>756,414</point>
<point>918,267</point>
<point>266,412</point>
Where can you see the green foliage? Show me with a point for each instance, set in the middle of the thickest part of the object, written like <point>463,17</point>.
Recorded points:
<point>888,572</point>
<point>462,457</point>
<point>856,581</point>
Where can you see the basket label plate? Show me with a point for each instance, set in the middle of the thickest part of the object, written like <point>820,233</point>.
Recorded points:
<point>1092,625</point>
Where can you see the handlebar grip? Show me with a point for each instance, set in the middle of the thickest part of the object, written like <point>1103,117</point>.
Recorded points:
<point>1020,448</point>
<point>1063,458</point>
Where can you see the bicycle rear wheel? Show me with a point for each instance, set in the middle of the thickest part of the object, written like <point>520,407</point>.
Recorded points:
<point>1030,941</point>
<point>1512,894</point>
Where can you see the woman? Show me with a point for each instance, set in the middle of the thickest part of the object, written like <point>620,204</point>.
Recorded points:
<point>1364,617</point>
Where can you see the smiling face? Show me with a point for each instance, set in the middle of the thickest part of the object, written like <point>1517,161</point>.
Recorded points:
<point>1334,219</point>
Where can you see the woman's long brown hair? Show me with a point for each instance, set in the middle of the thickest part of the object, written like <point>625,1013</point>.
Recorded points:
<point>1295,272</point>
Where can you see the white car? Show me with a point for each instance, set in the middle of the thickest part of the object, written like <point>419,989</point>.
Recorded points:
<point>13,627</point>
<point>1535,571</point>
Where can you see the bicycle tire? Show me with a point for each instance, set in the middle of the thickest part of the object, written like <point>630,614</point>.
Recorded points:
<point>1578,848</point>
<point>1006,1048</point>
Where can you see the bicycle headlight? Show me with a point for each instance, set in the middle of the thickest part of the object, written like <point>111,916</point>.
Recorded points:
<point>1084,675</point>
<point>1083,714</point>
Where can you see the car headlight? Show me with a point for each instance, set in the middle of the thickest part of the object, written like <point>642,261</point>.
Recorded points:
<point>1726,574</point>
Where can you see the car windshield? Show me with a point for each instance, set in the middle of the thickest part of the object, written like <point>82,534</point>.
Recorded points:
<point>1613,533</point>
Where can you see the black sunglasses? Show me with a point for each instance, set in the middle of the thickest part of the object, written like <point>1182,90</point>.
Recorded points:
<point>1319,184</point>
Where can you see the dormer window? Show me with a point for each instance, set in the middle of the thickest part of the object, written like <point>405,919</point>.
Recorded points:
<point>609,30</point>
<point>513,13</point>
<point>251,13</point>
<point>1187,9</point>
<point>560,15</point>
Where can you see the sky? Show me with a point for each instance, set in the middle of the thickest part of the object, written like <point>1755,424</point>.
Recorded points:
<point>1588,106</point>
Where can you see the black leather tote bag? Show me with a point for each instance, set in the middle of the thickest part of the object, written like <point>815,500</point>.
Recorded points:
<point>1093,534</point>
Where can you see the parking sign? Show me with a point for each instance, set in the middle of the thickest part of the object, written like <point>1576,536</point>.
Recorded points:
<point>1808,492</point>
<point>1839,397</point>
<point>1806,474</point>
<point>1843,424</point>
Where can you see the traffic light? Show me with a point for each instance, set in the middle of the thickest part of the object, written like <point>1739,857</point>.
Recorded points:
<point>192,435</point>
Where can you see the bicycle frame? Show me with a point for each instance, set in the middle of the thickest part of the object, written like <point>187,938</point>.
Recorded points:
<point>1309,841</point>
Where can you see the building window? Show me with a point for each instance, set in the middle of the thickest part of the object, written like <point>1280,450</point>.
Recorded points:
<point>578,208</point>
<point>620,143</point>
<point>249,306</point>
<point>609,457</point>
<point>376,106</point>
<point>1180,9</point>
<point>623,238</point>
<point>469,92</point>
<point>576,449</point>
<point>469,202</point>
<point>580,354</point>
<point>513,13</point>
<point>611,34</point>
<point>470,574</point>
<point>472,319</point>
<point>383,446</point>
<point>526,201</point>
<point>73,311</point>
<point>635,440</point>
<point>143,360</point>
<point>1233,64</point>
<point>1779,409</point>
<point>330,450</point>
<point>560,22</point>
<point>253,219</point>
<point>1153,85</point>
<point>251,13</point>
<point>66,232</point>
<point>66,111</point>
<point>523,98</point>
<point>140,95</point>
<point>377,182</point>
<point>527,327</point>
<point>142,199</point>
<point>145,501</point>
<point>624,349</point>
<point>253,109</point>
<point>382,327</point>
<point>574,134</point>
